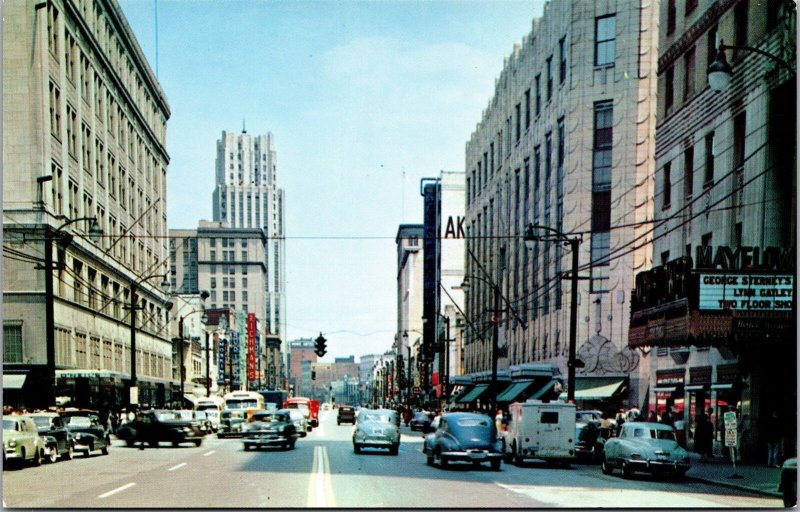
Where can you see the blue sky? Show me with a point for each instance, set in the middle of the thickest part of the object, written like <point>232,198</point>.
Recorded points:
<point>364,99</point>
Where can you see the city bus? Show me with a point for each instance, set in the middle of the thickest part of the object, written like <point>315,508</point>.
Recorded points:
<point>244,400</point>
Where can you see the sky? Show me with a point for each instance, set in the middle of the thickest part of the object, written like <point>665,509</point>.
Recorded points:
<point>364,99</point>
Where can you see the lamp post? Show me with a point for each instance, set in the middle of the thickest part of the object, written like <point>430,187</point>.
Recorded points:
<point>530,239</point>
<point>133,390</point>
<point>720,72</point>
<point>95,232</point>
<point>204,320</point>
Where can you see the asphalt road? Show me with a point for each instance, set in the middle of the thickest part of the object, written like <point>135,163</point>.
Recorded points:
<point>323,471</point>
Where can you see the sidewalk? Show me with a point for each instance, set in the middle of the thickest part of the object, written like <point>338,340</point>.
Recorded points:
<point>755,478</point>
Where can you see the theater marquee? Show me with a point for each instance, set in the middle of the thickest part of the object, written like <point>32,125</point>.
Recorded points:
<point>746,292</point>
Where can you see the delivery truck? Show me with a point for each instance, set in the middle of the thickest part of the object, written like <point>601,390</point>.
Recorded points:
<point>540,430</point>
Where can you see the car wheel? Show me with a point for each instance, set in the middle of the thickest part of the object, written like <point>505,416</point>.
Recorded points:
<point>198,442</point>
<point>37,458</point>
<point>69,453</point>
<point>104,449</point>
<point>680,474</point>
<point>605,467</point>
<point>246,447</point>
<point>356,448</point>
<point>395,449</point>
<point>153,444</point>
<point>442,460</point>
<point>291,445</point>
<point>53,457</point>
<point>517,459</point>
<point>129,443</point>
<point>495,465</point>
<point>789,498</point>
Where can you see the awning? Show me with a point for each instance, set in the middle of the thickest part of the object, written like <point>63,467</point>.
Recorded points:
<point>474,394</point>
<point>603,388</point>
<point>13,381</point>
<point>460,393</point>
<point>722,387</point>
<point>696,387</point>
<point>545,389</point>
<point>513,391</point>
<point>665,389</point>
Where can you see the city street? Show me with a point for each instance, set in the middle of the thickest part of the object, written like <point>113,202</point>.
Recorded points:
<point>323,471</point>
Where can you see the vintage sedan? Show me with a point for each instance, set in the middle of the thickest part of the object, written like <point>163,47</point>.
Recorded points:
<point>589,442</point>
<point>346,414</point>
<point>299,420</point>
<point>230,423</point>
<point>21,441</point>
<point>58,440</point>
<point>269,428</point>
<point>464,436</point>
<point>376,428</point>
<point>647,447</point>
<point>159,425</point>
<point>87,433</point>
<point>421,421</point>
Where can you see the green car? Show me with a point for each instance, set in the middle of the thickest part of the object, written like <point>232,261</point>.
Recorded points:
<point>231,422</point>
<point>21,441</point>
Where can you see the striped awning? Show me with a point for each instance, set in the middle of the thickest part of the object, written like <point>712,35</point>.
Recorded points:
<point>473,394</point>
<point>13,381</point>
<point>513,391</point>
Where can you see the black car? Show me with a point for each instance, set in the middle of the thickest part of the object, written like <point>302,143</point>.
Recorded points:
<point>159,425</point>
<point>269,428</point>
<point>420,421</point>
<point>58,440</point>
<point>87,433</point>
<point>346,414</point>
<point>788,483</point>
<point>464,436</point>
<point>588,441</point>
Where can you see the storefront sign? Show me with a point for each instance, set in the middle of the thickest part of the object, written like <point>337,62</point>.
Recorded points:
<point>746,292</point>
<point>221,356</point>
<point>251,346</point>
<point>235,358</point>
<point>744,258</point>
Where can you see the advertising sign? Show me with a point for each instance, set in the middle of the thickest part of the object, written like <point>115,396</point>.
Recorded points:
<point>221,358</point>
<point>746,292</point>
<point>241,323</point>
<point>730,437</point>
<point>235,358</point>
<point>251,346</point>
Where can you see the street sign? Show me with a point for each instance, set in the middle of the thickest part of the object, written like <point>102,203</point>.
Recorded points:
<point>134,396</point>
<point>730,437</point>
<point>730,419</point>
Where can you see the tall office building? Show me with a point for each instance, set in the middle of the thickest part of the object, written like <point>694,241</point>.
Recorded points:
<point>84,136</point>
<point>566,142</point>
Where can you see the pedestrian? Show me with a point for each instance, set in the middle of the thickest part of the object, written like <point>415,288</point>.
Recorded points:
<point>772,434</point>
<point>633,414</point>
<point>651,417</point>
<point>498,422</point>
<point>406,415</point>
<point>703,437</point>
<point>680,429</point>
<point>667,417</point>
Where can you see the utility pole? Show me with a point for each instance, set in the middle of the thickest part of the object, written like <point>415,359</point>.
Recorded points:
<point>573,320</point>
<point>208,365</point>
<point>496,325</point>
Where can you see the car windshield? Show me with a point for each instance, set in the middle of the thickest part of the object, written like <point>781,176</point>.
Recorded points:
<point>268,417</point>
<point>184,415</point>
<point>377,417</point>
<point>295,414</point>
<point>10,424</point>
<point>242,403</point>
<point>168,416</point>
<point>301,406</point>
<point>79,421</point>
<point>41,421</point>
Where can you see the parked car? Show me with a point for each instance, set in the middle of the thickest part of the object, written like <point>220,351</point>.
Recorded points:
<point>588,441</point>
<point>300,421</point>
<point>197,418</point>
<point>346,414</point>
<point>464,436</point>
<point>58,440</point>
<point>21,441</point>
<point>648,447</point>
<point>377,428</point>
<point>230,422</point>
<point>159,425</point>
<point>420,421</point>
<point>788,483</point>
<point>87,433</point>
<point>270,428</point>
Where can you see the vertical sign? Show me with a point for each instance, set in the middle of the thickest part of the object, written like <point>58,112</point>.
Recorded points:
<point>235,358</point>
<point>251,346</point>
<point>241,325</point>
<point>222,352</point>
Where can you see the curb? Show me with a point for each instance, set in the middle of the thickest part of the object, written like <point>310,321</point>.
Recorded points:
<point>723,483</point>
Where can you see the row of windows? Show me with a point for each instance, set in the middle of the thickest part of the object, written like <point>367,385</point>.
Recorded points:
<point>227,255</point>
<point>228,282</point>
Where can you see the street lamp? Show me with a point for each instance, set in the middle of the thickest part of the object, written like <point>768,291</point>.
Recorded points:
<point>133,390</point>
<point>557,236</point>
<point>720,72</point>
<point>64,239</point>
<point>204,320</point>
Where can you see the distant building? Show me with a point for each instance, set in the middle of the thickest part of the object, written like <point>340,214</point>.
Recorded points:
<point>85,122</point>
<point>301,351</point>
<point>410,266</point>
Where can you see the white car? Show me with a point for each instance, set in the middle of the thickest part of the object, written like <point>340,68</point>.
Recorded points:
<point>300,421</point>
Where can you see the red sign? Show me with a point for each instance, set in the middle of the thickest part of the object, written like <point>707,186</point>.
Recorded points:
<point>251,346</point>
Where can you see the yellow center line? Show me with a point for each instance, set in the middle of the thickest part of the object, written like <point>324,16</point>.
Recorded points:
<point>319,486</point>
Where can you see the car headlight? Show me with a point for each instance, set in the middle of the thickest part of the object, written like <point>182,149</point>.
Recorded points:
<point>12,443</point>
<point>187,430</point>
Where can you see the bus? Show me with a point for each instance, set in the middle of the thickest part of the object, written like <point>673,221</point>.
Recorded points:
<point>244,400</point>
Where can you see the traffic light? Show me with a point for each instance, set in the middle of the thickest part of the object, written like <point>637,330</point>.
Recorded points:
<point>319,345</point>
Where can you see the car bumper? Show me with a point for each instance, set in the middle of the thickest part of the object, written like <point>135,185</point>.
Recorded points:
<point>658,466</point>
<point>472,455</point>
<point>12,454</point>
<point>375,442</point>
<point>266,439</point>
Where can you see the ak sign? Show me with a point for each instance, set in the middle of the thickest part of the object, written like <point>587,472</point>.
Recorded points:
<point>746,292</point>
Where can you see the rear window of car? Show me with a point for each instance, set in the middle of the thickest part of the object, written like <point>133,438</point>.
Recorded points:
<point>79,421</point>
<point>472,422</point>
<point>380,418</point>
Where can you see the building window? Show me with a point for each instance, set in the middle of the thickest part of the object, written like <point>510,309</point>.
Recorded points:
<point>12,343</point>
<point>538,82</point>
<point>688,76</point>
<point>518,123</point>
<point>739,124</point>
<point>213,282</point>
<point>671,13</point>
<point>601,194</point>
<point>55,111</point>
<point>688,172</point>
<point>667,185</point>
<point>549,68</point>
<point>562,59</point>
<point>605,40</point>
<point>711,53</point>
<point>669,91</point>
<point>709,171</point>
<point>740,11</point>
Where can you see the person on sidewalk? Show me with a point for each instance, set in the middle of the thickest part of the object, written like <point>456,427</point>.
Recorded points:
<point>703,437</point>
<point>772,434</point>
